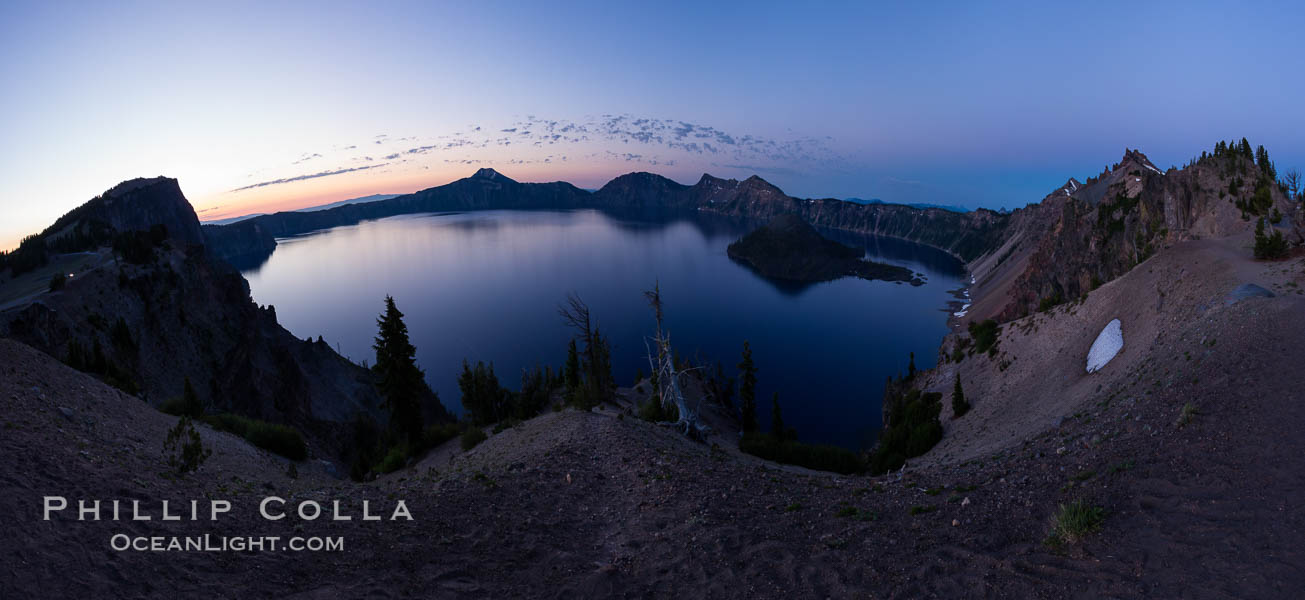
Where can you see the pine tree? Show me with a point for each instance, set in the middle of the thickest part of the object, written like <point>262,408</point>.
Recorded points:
<point>776,418</point>
<point>401,382</point>
<point>959,405</point>
<point>1269,246</point>
<point>484,398</point>
<point>748,390</point>
<point>910,369</point>
<point>571,372</point>
<point>597,381</point>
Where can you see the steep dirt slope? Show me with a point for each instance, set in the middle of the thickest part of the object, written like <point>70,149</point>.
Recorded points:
<point>1038,372</point>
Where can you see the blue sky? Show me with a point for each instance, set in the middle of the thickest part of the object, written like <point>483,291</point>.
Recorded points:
<point>978,104</point>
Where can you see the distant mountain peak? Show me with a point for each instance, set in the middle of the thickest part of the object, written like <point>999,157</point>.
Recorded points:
<point>1071,186</point>
<point>1134,159</point>
<point>491,175</point>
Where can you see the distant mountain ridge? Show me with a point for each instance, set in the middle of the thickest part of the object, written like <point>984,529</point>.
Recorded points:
<point>965,235</point>
<point>329,205</point>
<point>1080,235</point>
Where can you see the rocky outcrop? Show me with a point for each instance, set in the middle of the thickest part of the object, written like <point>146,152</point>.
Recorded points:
<point>136,205</point>
<point>1119,219</point>
<point>173,313</point>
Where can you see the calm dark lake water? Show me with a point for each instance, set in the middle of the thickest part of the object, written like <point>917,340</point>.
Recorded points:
<point>486,286</point>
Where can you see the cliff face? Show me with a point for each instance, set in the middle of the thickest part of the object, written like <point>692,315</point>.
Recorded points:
<point>136,205</point>
<point>148,320</point>
<point>965,235</point>
<point>1079,239</point>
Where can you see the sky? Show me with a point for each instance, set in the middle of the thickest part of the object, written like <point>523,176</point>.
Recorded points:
<point>273,106</point>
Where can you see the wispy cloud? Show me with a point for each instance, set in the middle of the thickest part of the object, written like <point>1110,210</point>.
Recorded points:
<point>309,176</point>
<point>608,138</point>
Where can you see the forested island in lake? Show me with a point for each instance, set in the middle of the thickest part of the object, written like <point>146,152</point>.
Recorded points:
<point>790,249</point>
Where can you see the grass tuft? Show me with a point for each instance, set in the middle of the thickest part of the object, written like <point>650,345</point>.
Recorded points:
<point>1074,521</point>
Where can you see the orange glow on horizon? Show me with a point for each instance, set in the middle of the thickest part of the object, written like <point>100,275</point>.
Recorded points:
<point>316,192</point>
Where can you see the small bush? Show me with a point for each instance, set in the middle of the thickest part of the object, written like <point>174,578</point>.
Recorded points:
<point>985,335</point>
<point>188,404</point>
<point>183,447</point>
<point>436,435</point>
<point>913,429</point>
<point>280,439</point>
<point>393,461</point>
<point>1075,521</point>
<point>1269,246</point>
<point>812,456</point>
<point>654,412</point>
<point>57,282</point>
<point>472,437</point>
<point>1185,417</point>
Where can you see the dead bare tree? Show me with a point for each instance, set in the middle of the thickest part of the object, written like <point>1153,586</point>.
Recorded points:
<point>596,355</point>
<point>1292,179</point>
<point>666,376</point>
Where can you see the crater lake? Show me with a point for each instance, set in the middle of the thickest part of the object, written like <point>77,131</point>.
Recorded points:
<point>487,286</point>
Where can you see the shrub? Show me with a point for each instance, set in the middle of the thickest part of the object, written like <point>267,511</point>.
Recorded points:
<point>57,282</point>
<point>985,335</point>
<point>188,404</point>
<point>183,447</point>
<point>435,435</point>
<point>913,428</point>
<point>280,439</point>
<point>393,461</point>
<point>473,437</point>
<point>655,412</point>
<point>1076,520</point>
<point>812,456</point>
<point>1185,417</point>
<point>484,398</point>
<point>959,405</point>
<point>1269,246</point>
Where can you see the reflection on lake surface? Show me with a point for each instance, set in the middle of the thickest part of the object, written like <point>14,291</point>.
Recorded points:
<point>486,286</point>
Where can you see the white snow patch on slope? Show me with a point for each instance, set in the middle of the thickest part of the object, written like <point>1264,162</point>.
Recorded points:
<point>1108,344</point>
<point>1149,166</point>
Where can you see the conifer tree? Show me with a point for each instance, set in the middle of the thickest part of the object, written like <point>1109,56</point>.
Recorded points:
<point>571,372</point>
<point>776,418</point>
<point>401,382</point>
<point>1268,246</point>
<point>959,405</point>
<point>748,390</point>
<point>910,369</point>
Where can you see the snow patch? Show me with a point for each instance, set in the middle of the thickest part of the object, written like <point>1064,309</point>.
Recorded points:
<point>1108,344</point>
<point>1149,166</point>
